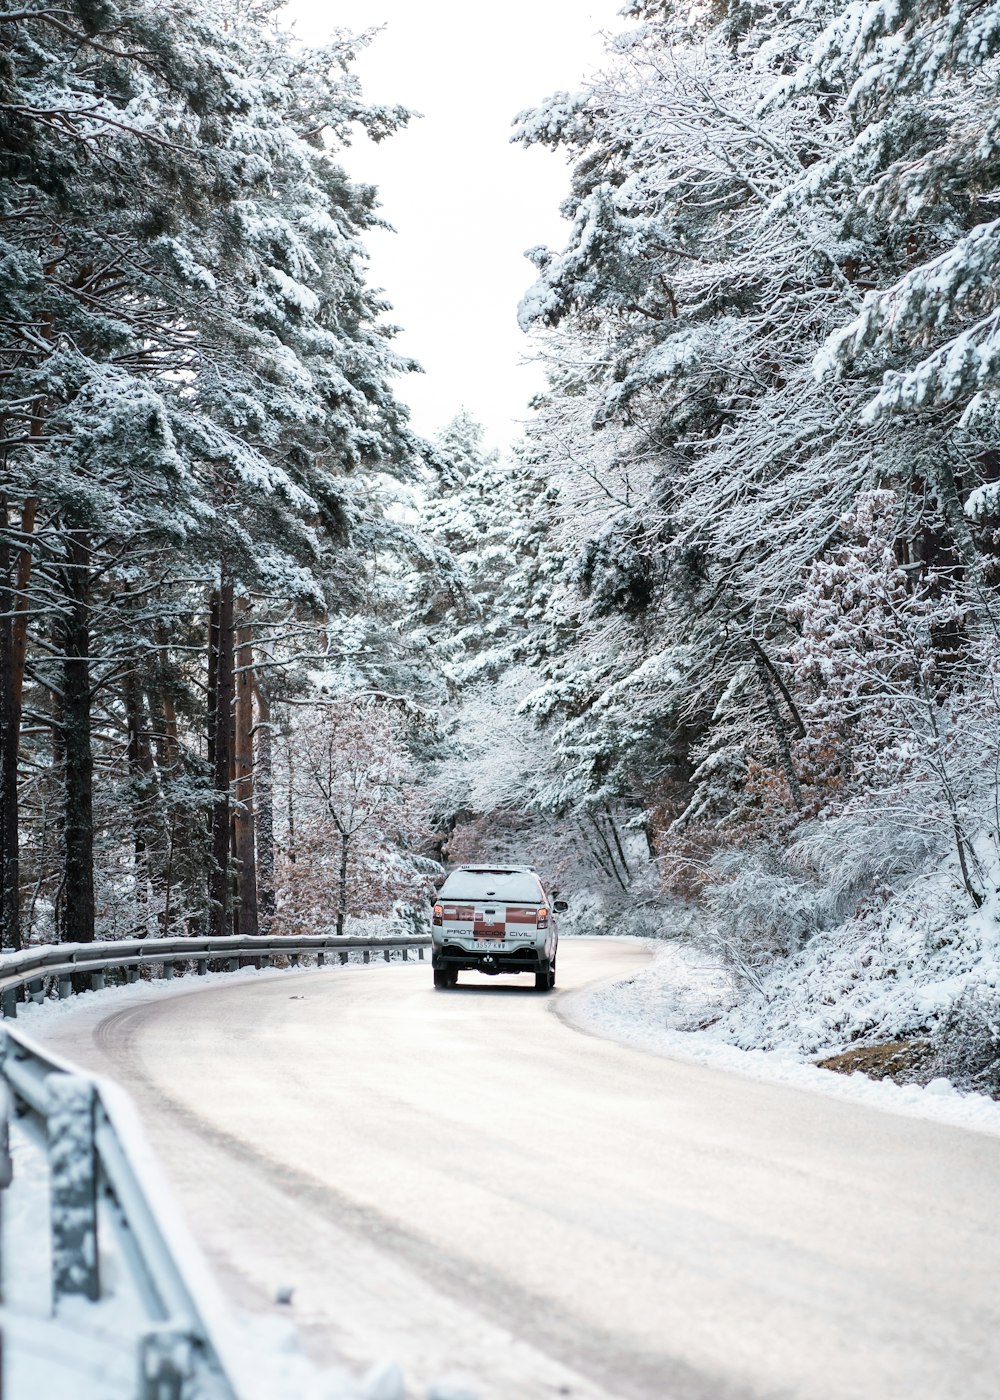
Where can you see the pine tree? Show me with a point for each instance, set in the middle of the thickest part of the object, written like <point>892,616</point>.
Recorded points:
<point>195,386</point>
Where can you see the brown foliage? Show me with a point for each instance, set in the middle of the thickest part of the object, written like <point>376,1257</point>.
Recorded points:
<point>357,819</point>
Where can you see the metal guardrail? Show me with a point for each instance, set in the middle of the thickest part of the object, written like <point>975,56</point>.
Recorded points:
<point>69,962</point>
<point>101,1168</point>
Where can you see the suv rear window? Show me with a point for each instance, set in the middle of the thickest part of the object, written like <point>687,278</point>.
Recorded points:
<point>505,886</point>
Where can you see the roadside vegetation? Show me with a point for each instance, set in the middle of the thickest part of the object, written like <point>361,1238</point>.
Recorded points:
<point>751,624</point>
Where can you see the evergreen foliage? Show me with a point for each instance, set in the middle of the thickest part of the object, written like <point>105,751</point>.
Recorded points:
<point>196,402</point>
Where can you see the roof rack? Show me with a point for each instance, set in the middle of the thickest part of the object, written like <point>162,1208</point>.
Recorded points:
<point>497,867</point>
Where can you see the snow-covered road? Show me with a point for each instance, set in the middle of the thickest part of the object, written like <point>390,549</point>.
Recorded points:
<point>465,1182</point>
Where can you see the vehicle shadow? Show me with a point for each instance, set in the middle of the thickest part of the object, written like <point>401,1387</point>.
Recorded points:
<point>488,989</point>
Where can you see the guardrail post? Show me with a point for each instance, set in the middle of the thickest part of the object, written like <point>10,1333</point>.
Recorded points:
<point>165,1363</point>
<point>36,990</point>
<point>344,955</point>
<point>320,958</point>
<point>72,1171</point>
<point>8,1002</point>
<point>65,986</point>
<point>296,960</point>
<point>387,954</point>
<point>97,980</point>
<point>168,969</point>
<point>366,956</point>
<point>132,974</point>
<point>233,965</point>
<point>420,953</point>
<point>202,966</point>
<point>406,955</point>
<point>6,1177</point>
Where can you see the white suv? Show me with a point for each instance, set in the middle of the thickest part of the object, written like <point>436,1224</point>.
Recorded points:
<point>492,919</point>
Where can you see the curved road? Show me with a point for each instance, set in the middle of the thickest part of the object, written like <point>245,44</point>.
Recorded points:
<point>465,1182</point>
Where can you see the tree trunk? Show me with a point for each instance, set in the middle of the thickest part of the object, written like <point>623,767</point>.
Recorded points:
<point>220,747</point>
<point>166,747</point>
<point>78,826</point>
<point>954,513</point>
<point>212,694</point>
<point>290,794</point>
<point>164,707</point>
<point>612,863</point>
<point>761,658</point>
<point>10,923</point>
<point>617,840</point>
<point>264,808</point>
<point>16,575</point>
<point>243,844</point>
<point>777,724</point>
<point>143,782</point>
<point>962,843</point>
<point>342,899</point>
<point>59,771</point>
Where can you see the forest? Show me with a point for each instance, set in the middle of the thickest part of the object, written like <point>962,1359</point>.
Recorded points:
<point>715,644</point>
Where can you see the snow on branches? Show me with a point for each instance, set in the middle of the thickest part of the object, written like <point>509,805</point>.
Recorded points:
<point>356,820</point>
<point>769,447</point>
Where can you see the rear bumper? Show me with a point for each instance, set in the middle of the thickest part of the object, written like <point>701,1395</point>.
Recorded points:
<point>516,960</point>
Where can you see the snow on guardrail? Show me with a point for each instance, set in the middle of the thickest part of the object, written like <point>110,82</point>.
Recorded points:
<point>70,963</point>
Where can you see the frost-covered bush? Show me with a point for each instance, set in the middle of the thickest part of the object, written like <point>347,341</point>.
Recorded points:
<point>762,911</point>
<point>891,970</point>
<point>966,1045</point>
<point>862,857</point>
<point>588,913</point>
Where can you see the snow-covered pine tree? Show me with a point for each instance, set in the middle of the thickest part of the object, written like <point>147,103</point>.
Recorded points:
<point>676,322</point>
<point>194,372</point>
<point>446,615</point>
<point>735,196</point>
<point>918,86</point>
<point>481,512</point>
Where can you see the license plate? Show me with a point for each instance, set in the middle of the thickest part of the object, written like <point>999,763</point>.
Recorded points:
<point>489,942</point>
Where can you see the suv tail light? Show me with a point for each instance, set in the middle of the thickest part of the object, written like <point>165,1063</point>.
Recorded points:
<point>542,919</point>
<point>437,917</point>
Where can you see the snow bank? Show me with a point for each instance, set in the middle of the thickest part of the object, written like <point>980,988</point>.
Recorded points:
<point>681,1005</point>
<point>900,968</point>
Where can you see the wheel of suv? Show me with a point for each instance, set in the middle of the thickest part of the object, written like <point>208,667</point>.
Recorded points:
<point>545,981</point>
<point>441,977</point>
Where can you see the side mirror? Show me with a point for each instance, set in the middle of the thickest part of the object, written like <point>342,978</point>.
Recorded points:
<point>560,906</point>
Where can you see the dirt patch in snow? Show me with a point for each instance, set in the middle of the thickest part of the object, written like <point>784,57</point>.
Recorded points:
<point>906,1061</point>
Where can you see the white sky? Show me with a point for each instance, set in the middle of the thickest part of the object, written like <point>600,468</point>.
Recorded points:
<point>464,202</point>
